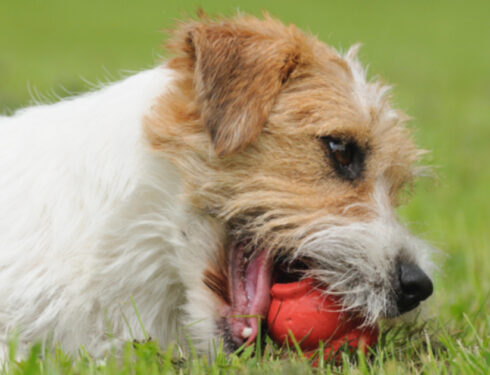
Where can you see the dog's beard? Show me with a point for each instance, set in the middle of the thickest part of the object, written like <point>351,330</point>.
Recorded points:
<point>358,263</point>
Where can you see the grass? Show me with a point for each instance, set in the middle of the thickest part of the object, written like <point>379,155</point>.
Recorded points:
<point>436,52</point>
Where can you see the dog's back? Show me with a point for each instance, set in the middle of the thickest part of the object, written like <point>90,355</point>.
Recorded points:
<point>65,168</point>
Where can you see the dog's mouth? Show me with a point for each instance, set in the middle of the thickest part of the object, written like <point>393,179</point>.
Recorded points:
<point>250,280</point>
<point>250,277</point>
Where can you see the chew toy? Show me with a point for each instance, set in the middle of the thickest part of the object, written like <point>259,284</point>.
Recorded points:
<point>302,310</point>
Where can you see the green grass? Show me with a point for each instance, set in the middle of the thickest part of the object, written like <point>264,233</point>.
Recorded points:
<point>435,52</point>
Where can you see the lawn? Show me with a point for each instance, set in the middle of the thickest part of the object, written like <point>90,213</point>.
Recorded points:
<point>437,55</point>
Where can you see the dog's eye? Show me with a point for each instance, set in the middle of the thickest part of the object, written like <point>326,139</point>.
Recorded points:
<point>348,158</point>
<point>342,152</point>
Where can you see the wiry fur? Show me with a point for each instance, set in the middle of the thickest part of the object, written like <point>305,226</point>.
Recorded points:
<point>133,193</point>
<point>358,260</point>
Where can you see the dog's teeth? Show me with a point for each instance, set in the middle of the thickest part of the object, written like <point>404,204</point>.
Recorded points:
<point>246,332</point>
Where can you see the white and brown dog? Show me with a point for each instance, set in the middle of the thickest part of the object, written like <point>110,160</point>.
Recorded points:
<point>256,154</point>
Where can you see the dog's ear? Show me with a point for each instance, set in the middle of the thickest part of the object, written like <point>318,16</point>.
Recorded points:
<point>238,73</point>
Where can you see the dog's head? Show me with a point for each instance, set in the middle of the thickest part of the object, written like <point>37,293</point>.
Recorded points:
<point>300,161</point>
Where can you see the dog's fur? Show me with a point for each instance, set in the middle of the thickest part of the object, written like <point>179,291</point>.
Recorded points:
<point>131,197</point>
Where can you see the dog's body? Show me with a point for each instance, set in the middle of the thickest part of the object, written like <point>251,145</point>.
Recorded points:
<point>152,193</point>
<point>71,176</point>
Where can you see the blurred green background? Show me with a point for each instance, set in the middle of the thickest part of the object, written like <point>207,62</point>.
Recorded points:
<point>436,53</point>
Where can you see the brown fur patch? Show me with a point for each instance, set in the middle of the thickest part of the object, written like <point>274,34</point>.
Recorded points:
<point>269,91</point>
<point>237,74</point>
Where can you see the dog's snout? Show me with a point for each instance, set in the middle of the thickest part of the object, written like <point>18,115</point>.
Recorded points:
<point>415,286</point>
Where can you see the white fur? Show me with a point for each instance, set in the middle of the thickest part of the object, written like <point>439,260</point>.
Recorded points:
<point>90,220</point>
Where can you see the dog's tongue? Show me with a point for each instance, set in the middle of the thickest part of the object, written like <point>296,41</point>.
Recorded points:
<point>250,285</point>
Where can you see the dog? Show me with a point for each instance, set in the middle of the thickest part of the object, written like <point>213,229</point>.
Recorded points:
<point>165,205</point>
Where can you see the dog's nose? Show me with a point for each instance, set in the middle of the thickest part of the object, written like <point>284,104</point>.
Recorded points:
<point>415,286</point>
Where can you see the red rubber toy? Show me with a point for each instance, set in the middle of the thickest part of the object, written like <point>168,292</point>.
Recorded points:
<point>300,309</point>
